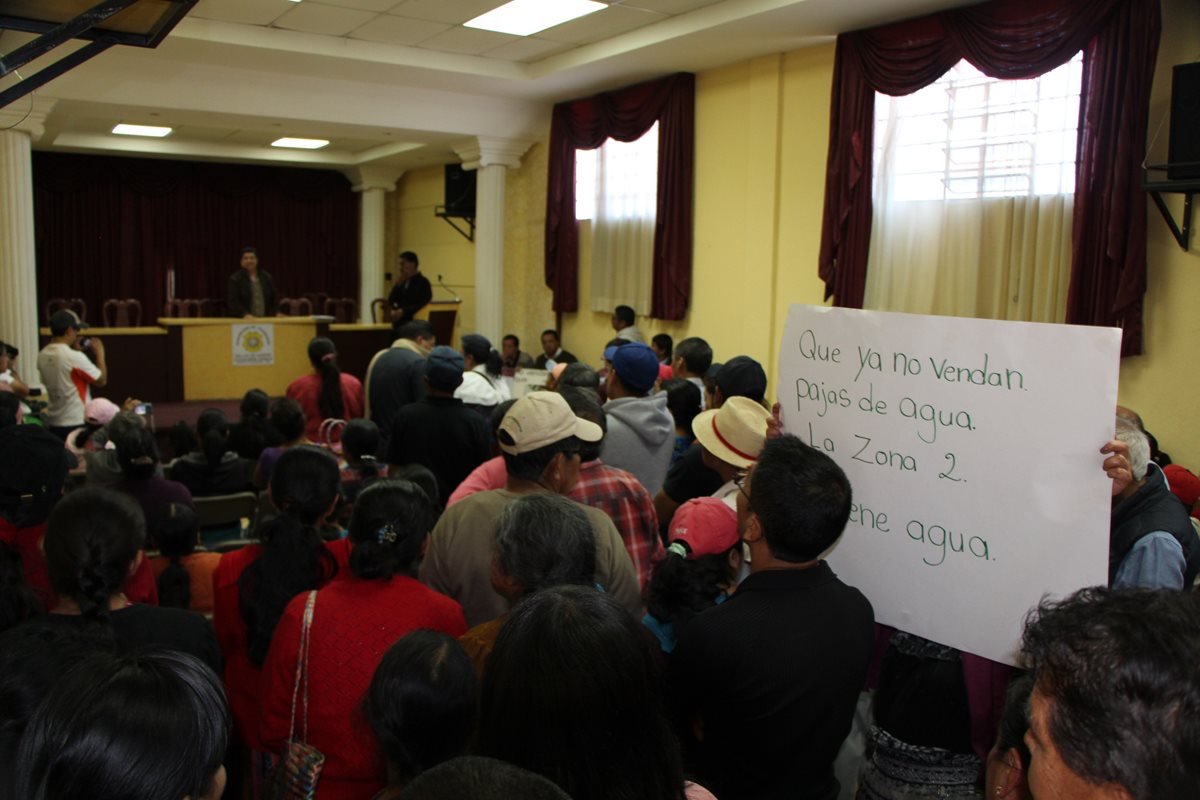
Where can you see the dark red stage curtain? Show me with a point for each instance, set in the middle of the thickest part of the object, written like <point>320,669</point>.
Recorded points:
<point>112,227</point>
<point>1011,39</point>
<point>625,115</point>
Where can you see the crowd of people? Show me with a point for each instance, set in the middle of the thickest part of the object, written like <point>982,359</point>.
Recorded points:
<point>612,587</point>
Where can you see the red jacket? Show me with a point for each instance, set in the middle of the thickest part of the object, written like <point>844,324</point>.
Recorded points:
<point>354,622</point>
<point>306,390</point>
<point>241,675</point>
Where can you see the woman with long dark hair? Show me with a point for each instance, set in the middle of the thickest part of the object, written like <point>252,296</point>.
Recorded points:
<point>326,392</point>
<point>212,468</point>
<point>288,419</point>
<point>137,453</point>
<point>183,571</point>
<point>253,432</point>
<point>355,620</point>
<point>253,585</point>
<point>145,727</point>
<point>572,692</point>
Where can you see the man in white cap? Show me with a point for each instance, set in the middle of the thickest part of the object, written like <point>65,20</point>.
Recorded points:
<point>731,436</point>
<point>68,374</point>
<point>540,438</point>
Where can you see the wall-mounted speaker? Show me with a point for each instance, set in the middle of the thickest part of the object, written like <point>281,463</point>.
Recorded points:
<point>460,191</point>
<point>1183,151</point>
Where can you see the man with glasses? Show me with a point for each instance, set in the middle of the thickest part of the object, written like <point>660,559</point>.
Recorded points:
<point>767,681</point>
<point>540,438</point>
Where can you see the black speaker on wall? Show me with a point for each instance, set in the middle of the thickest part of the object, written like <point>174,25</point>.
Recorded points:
<point>1183,151</point>
<point>460,191</point>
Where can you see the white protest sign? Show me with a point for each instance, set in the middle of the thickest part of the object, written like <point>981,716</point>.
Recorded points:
<point>972,447</point>
<point>253,345</point>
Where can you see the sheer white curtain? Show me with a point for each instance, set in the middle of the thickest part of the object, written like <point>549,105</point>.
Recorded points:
<point>623,222</point>
<point>973,197</point>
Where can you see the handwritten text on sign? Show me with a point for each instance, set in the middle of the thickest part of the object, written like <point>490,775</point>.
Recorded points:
<point>973,450</point>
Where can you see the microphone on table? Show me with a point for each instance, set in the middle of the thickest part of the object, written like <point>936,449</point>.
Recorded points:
<point>457,299</point>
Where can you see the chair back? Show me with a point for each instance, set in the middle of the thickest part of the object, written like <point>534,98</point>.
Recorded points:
<point>183,308</point>
<point>296,306</point>
<point>379,309</point>
<point>121,313</point>
<point>225,510</point>
<point>75,304</point>
<point>342,309</point>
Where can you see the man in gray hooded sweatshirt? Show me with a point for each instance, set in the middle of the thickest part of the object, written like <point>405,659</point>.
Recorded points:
<point>641,432</point>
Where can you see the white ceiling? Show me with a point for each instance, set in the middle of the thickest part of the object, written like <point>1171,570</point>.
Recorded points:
<point>398,83</point>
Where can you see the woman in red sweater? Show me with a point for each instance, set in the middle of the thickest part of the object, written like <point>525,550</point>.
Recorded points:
<point>327,392</point>
<point>355,620</point>
<point>253,585</point>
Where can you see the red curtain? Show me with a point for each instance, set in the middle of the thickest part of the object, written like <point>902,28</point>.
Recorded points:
<point>626,115</point>
<point>1011,39</point>
<point>112,227</point>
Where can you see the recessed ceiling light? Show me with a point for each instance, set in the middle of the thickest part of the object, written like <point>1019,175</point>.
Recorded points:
<point>526,17</point>
<point>302,144</point>
<point>141,130</point>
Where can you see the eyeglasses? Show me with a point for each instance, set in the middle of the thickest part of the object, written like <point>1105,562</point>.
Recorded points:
<point>739,480</point>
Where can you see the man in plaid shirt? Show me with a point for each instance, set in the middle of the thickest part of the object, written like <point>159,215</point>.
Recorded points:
<point>615,492</point>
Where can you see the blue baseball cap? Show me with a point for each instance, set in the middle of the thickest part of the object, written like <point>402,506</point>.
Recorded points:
<point>635,364</point>
<point>444,368</point>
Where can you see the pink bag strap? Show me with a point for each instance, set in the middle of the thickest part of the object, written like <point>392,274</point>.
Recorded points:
<point>302,670</point>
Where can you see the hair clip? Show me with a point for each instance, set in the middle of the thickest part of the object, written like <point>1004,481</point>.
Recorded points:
<point>387,533</point>
<point>678,548</point>
<point>328,357</point>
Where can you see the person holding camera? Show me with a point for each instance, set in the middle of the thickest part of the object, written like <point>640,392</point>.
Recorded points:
<point>68,373</point>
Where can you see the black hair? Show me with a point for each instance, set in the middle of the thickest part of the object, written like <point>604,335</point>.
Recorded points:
<point>253,250</point>
<point>498,413</point>
<point>360,441</point>
<point>423,477</point>
<point>683,401</point>
<point>1014,720</point>
<point>710,377</point>
<point>176,535</point>
<point>545,540</point>
<point>182,439</point>
<point>9,405</point>
<point>922,697</point>
<point>137,453</point>
<point>287,417</point>
<point>32,662</point>
<point>586,405</point>
<point>422,702</point>
<point>581,375</point>
<point>482,352</point>
<point>1117,669</point>
<point>512,338</point>
<point>212,429</point>
<point>481,778</point>
<point>624,314</point>
<point>696,353</point>
<point>546,707</point>
<point>416,329</point>
<point>553,333</point>
<point>530,466</point>
<point>304,485</point>
<point>390,522</point>
<point>155,725</point>
<point>255,405</point>
<point>92,538</point>
<point>665,343</point>
<point>323,357</point>
<point>614,342</point>
<point>680,588</point>
<point>801,497</point>
<point>18,602</point>
<point>409,255</point>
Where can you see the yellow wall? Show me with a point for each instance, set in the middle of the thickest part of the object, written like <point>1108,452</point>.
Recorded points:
<point>761,145</point>
<point>1164,384</point>
<point>441,249</point>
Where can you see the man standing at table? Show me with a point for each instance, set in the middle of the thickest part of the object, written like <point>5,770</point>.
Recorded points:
<point>411,292</point>
<point>251,291</point>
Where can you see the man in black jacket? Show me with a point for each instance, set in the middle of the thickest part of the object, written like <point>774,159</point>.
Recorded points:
<point>411,292</point>
<point>251,291</point>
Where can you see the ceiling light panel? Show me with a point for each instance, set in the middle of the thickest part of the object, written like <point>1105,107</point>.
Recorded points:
<point>156,131</point>
<point>300,144</point>
<point>526,17</point>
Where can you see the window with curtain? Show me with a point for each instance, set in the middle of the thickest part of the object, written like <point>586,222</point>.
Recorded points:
<point>973,196</point>
<point>616,188</point>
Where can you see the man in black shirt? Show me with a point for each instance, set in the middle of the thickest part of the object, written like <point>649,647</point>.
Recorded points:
<point>251,292</point>
<point>765,684</point>
<point>552,352</point>
<point>411,292</point>
<point>396,376</point>
<point>439,432</point>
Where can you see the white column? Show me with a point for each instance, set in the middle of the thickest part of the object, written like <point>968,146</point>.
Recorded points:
<point>19,308</point>
<point>490,158</point>
<point>373,184</point>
